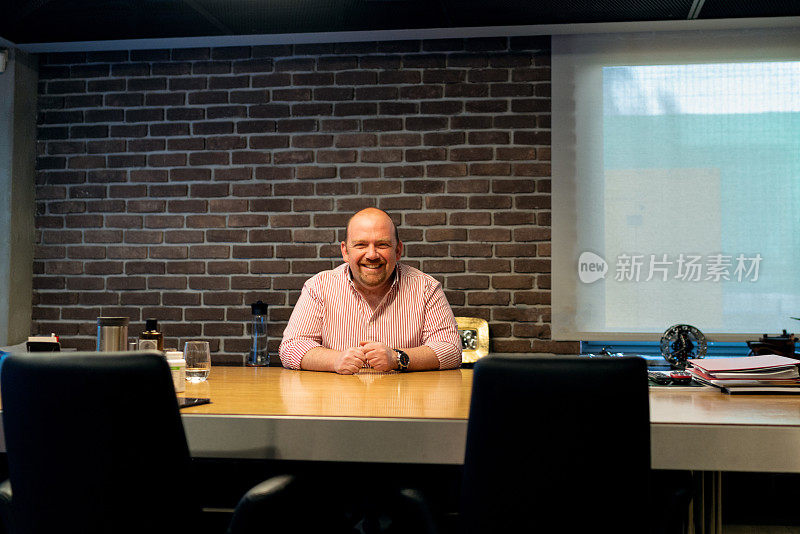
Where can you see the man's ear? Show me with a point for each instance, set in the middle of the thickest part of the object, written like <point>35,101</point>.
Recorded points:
<point>344,251</point>
<point>399,249</point>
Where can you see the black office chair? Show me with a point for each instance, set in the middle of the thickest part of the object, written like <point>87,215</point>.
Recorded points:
<point>95,445</point>
<point>330,503</point>
<point>557,444</point>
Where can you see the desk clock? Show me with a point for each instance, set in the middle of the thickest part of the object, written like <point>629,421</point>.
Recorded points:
<point>681,342</point>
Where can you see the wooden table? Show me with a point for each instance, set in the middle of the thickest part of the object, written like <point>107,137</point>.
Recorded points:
<point>275,413</point>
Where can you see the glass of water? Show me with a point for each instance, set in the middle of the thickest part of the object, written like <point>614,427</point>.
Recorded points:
<point>198,360</point>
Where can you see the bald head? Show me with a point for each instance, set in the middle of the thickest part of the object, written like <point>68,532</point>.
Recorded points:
<point>374,213</point>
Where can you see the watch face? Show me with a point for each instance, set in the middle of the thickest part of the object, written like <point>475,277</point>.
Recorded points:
<point>403,357</point>
<point>682,342</point>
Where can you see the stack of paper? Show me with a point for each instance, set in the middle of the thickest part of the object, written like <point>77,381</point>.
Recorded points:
<point>769,373</point>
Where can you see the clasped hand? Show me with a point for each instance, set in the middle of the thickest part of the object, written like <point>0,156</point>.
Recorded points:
<point>378,355</point>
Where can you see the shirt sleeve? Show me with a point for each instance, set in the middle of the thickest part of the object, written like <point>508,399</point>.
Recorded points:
<point>440,331</point>
<point>304,330</point>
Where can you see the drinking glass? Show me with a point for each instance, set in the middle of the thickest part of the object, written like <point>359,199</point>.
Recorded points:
<point>198,360</point>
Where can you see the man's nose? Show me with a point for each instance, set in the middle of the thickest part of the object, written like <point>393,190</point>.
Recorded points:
<point>372,253</point>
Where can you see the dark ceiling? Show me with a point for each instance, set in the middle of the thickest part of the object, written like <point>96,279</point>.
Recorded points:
<point>47,21</point>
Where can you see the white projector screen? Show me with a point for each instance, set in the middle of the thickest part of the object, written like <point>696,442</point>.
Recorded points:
<point>676,184</point>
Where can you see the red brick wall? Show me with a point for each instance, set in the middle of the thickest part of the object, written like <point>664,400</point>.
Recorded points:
<point>184,184</point>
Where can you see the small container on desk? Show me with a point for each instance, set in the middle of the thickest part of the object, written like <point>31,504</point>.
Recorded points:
<point>259,353</point>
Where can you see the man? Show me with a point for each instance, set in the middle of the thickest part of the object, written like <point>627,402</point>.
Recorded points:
<point>371,311</point>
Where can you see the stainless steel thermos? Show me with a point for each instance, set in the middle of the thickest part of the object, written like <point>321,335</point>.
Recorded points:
<point>112,334</point>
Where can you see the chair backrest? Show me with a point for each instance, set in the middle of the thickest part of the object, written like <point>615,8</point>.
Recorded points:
<point>557,444</point>
<point>95,443</point>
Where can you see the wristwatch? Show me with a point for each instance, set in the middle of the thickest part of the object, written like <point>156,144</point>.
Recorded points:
<point>402,360</point>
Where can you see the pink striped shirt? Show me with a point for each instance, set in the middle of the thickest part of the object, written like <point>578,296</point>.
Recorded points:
<point>331,313</point>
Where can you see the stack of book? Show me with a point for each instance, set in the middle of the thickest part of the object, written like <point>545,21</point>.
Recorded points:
<point>769,373</point>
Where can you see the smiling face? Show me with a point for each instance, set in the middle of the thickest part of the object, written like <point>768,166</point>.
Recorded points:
<point>371,250</point>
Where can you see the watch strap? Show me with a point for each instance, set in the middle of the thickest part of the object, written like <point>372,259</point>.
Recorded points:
<point>402,360</point>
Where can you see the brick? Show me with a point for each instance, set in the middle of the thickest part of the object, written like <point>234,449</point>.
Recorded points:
<point>267,236</point>
<point>356,140</point>
<point>139,299</point>
<point>143,236</point>
<point>532,234</point>
<point>444,138</point>
<point>269,267</point>
<point>203,314</point>
<point>406,202</point>
<point>493,298</point>
<point>404,171</point>
<point>250,282</point>
<point>226,236</point>
<point>531,169</point>
<point>61,237</point>
<point>532,297</point>
<point>252,251</point>
<point>515,281</point>
<point>544,250</point>
<point>381,187</point>
<point>336,156</point>
<point>382,124</point>
<point>311,79</point>
<point>291,95</point>
<point>293,157</point>
<point>532,138</point>
<point>314,236</point>
<point>426,123</point>
<point>163,221</point>
<point>227,267</point>
<point>468,281</point>
<point>515,250</point>
<point>533,202</point>
<point>49,252</point>
<point>421,92</point>
<point>400,139</point>
<point>227,205</point>
<point>425,154</point>
<point>296,125</point>
<point>246,220</point>
<point>67,207</point>
<point>416,250</point>
<point>489,234</point>
<point>381,156</point>
<point>315,172</point>
<point>149,175</point>
<point>445,234</point>
<point>315,204</point>
<point>126,283</point>
<point>180,299</point>
<point>511,218</point>
<point>490,202</point>
<point>243,158</point>
<point>184,236</point>
<point>84,221</point>
<point>470,250</point>
<point>523,265</point>
<point>446,170</point>
<point>126,252</point>
<point>145,267</point>
<point>398,108</point>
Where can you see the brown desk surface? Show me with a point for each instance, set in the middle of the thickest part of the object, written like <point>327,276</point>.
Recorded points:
<point>422,418</point>
<point>283,392</point>
<point>274,391</point>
